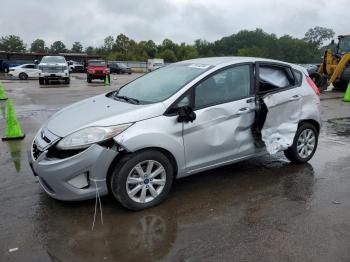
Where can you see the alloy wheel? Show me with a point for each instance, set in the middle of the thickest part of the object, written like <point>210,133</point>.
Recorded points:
<point>146,181</point>
<point>306,143</point>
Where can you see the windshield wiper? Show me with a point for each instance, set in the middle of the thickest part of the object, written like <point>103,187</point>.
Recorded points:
<point>126,98</point>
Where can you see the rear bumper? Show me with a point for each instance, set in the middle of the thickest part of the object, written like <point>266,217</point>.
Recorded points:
<point>54,174</point>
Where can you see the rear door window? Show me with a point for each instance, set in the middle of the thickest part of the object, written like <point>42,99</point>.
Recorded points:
<point>273,78</point>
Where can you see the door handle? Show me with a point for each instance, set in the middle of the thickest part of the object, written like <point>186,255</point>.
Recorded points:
<point>243,110</point>
<point>295,98</point>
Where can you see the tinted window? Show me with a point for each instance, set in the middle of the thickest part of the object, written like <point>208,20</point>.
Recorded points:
<point>53,59</point>
<point>30,66</point>
<point>298,76</point>
<point>225,86</point>
<point>274,77</point>
<point>96,63</point>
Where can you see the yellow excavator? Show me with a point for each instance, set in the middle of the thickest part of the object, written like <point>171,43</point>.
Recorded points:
<point>335,68</point>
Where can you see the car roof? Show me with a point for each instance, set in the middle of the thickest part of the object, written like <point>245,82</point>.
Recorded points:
<point>215,61</point>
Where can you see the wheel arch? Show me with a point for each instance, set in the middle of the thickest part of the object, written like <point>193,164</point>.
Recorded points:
<point>125,153</point>
<point>311,121</point>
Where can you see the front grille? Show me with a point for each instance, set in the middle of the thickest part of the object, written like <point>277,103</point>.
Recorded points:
<point>53,69</point>
<point>98,72</point>
<point>36,151</point>
<point>53,152</point>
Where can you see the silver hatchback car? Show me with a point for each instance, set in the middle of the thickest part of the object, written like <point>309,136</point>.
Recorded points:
<point>176,121</point>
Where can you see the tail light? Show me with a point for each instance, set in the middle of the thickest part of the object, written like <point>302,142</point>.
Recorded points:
<point>312,85</point>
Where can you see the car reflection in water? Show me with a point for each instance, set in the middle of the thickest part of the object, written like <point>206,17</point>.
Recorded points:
<point>213,211</point>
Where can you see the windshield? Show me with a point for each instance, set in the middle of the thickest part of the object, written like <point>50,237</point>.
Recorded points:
<point>344,45</point>
<point>53,59</point>
<point>162,83</point>
<point>97,63</point>
<point>121,65</point>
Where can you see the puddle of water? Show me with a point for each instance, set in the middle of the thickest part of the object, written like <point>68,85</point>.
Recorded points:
<point>338,126</point>
<point>15,150</point>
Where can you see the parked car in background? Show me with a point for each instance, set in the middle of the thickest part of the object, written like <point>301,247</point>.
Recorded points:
<point>75,67</point>
<point>119,68</point>
<point>5,65</point>
<point>24,72</point>
<point>97,69</point>
<point>153,64</point>
<point>179,120</point>
<point>53,68</point>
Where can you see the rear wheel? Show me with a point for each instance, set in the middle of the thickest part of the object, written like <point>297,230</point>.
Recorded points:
<point>142,180</point>
<point>88,79</point>
<point>340,85</point>
<point>304,144</point>
<point>41,81</point>
<point>23,76</point>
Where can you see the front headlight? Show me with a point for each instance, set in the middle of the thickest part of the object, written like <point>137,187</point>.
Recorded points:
<point>85,137</point>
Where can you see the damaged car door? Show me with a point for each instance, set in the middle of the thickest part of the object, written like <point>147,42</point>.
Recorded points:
<point>224,106</point>
<point>278,91</point>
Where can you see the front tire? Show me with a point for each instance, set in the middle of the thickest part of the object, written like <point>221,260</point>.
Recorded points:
<point>67,81</point>
<point>304,144</point>
<point>142,180</point>
<point>41,81</point>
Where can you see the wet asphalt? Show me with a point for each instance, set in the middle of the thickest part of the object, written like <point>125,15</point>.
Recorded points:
<point>263,209</point>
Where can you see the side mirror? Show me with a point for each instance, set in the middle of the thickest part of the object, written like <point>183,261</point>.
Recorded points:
<point>185,114</point>
<point>332,42</point>
<point>36,62</point>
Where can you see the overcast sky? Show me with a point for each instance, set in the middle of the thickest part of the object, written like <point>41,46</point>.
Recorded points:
<point>90,21</point>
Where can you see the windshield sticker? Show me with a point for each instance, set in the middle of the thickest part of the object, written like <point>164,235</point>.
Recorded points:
<point>199,66</point>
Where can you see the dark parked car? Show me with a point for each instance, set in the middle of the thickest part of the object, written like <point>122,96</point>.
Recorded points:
<point>119,68</point>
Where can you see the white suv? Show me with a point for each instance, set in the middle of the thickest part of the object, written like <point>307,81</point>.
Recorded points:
<point>53,68</point>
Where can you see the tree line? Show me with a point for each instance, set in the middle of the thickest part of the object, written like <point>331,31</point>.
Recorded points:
<point>257,43</point>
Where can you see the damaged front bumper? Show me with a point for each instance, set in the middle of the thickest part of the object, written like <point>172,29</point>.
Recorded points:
<point>77,177</point>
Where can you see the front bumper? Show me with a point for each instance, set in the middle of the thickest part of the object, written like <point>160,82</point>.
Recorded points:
<point>54,173</point>
<point>53,76</point>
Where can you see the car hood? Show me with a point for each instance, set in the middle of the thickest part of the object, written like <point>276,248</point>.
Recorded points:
<point>100,111</point>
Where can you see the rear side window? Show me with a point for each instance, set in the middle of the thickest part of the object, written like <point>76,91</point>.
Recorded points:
<point>272,78</point>
<point>298,77</point>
